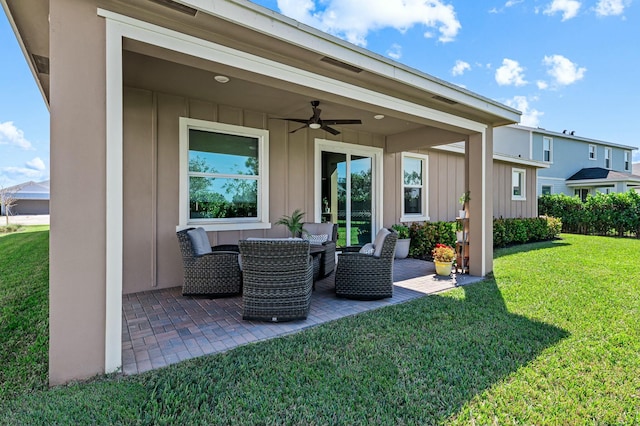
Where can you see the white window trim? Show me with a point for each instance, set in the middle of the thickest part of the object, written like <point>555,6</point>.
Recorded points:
<point>595,152</point>
<point>522,197</point>
<point>229,224</point>
<point>425,195</point>
<point>550,189</point>
<point>610,151</point>
<point>550,149</point>
<point>627,161</point>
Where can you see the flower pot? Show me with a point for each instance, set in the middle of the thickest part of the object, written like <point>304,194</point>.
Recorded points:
<point>459,236</point>
<point>402,248</point>
<point>462,214</point>
<point>443,268</point>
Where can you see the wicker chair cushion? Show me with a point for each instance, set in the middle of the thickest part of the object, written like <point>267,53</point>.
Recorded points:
<point>317,239</point>
<point>367,249</point>
<point>379,241</point>
<point>199,241</point>
<point>318,229</point>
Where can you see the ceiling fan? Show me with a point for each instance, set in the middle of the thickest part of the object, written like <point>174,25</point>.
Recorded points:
<point>315,122</point>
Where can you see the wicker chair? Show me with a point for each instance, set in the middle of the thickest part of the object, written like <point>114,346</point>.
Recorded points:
<point>328,258</point>
<point>215,274</point>
<point>277,279</point>
<point>364,276</point>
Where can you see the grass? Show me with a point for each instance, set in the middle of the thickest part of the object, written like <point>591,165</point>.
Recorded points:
<point>552,338</point>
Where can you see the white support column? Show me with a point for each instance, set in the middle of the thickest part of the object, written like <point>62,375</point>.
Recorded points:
<point>479,162</point>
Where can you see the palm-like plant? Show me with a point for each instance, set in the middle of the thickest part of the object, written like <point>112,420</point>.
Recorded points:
<point>293,222</point>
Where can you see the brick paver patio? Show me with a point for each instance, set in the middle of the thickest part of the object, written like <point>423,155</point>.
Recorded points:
<point>162,327</point>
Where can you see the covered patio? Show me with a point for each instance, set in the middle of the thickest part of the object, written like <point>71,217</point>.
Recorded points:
<point>162,327</point>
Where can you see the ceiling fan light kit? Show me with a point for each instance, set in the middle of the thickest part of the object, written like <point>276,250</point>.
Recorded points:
<point>315,122</point>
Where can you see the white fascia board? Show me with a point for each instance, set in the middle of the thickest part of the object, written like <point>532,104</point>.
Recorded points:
<point>25,52</point>
<point>180,42</point>
<point>596,182</point>
<point>496,156</point>
<point>266,21</point>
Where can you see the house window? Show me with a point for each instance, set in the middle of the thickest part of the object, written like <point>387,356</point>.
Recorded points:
<point>627,162</point>
<point>607,158</point>
<point>592,152</point>
<point>414,187</point>
<point>546,189</point>
<point>518,180</point>
<point>223,176</point>
<point>582,193</point>
<point>547,149</point>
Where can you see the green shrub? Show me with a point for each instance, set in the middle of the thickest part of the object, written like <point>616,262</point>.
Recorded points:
<point>6,229</point>
<point>519,231</point>
<point>425,236</point>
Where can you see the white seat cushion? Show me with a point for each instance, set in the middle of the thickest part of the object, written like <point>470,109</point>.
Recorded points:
<point>318,229</point>
<point>379,241</point>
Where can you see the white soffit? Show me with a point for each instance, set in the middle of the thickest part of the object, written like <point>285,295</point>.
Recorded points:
<point>266,21</point>
<point>183,43</point>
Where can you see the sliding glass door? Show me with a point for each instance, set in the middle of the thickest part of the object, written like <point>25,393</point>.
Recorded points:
<point>348,193</point>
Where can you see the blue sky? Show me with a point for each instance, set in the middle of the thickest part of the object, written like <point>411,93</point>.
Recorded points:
<point>566,64</point>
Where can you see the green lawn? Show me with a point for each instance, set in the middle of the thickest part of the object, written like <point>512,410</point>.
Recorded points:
<point>553,338</point>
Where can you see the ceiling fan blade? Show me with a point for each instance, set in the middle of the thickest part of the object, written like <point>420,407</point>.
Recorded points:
<point>297,120</point>
<point>299,128</point>
<point>329,129</point>
<point>334,122</point>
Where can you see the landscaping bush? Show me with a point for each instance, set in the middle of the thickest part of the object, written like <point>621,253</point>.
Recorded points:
<point>506,232</point>
<point>601,214</point>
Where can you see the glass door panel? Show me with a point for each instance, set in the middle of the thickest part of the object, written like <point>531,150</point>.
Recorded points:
<point>334,192</point>
<point>361,199</point>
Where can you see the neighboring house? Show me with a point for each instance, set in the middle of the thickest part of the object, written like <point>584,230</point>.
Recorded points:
<point>166,115</point>
<point>32,198</point>
<point>576,165</point>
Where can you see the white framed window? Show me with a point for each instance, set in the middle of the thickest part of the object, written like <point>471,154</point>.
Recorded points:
<point>607,158</point>
<point>518,179</point>
<point>627,161</point>
<point>546,189</point>
<point>224,181</point>
<point>414,187</point>
<point>547,149</point>
<point>582,193</point>
<point>592,152</point>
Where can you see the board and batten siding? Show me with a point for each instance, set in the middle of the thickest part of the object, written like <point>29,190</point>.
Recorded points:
<point>151,177</point>
<point>503,205</point>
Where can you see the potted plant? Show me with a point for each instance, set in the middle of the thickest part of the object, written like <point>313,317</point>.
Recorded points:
<point>459,231</point>
<point>464,200</point>
<point>293,222</point>
<point>404,241</point>
<point>443,256</point>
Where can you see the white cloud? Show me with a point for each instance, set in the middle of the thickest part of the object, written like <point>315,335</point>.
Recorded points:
<point>511,3</point>
<point>611,7</point>
<point>530,116</point>
<point>395,52</point>
<point>542,85</point>
<point>510,73</point>
<point>11,135</point>
<point>460,67</point>
<point>563,71</point>
<point>354,19</point>
<point>36,164</point>
<point>568,8</point>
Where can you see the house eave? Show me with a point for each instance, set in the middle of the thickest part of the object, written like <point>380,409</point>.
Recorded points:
<point>574,137</point>
<point>597,182</point>
<point>497,157</point>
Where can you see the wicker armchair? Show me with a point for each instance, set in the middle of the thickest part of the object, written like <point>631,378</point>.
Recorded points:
<point>365,276</point>
<point>277,279</point>
<point>328,258</point>
<point>214,274</point>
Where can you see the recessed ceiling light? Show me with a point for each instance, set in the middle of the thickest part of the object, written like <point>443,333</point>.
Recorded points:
<point>378,116</point>
<point>221,78</point>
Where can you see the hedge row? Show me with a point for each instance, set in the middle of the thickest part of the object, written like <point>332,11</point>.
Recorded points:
<point>601,214</point>
<point>425,236</point>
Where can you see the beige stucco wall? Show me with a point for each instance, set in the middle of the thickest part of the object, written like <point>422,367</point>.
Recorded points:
<point>77,239</point>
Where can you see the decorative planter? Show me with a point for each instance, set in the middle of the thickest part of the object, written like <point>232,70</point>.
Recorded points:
<point>443,268</point>
<point>459,236</point>
<point>402,248</point>
<point>462,214</point>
